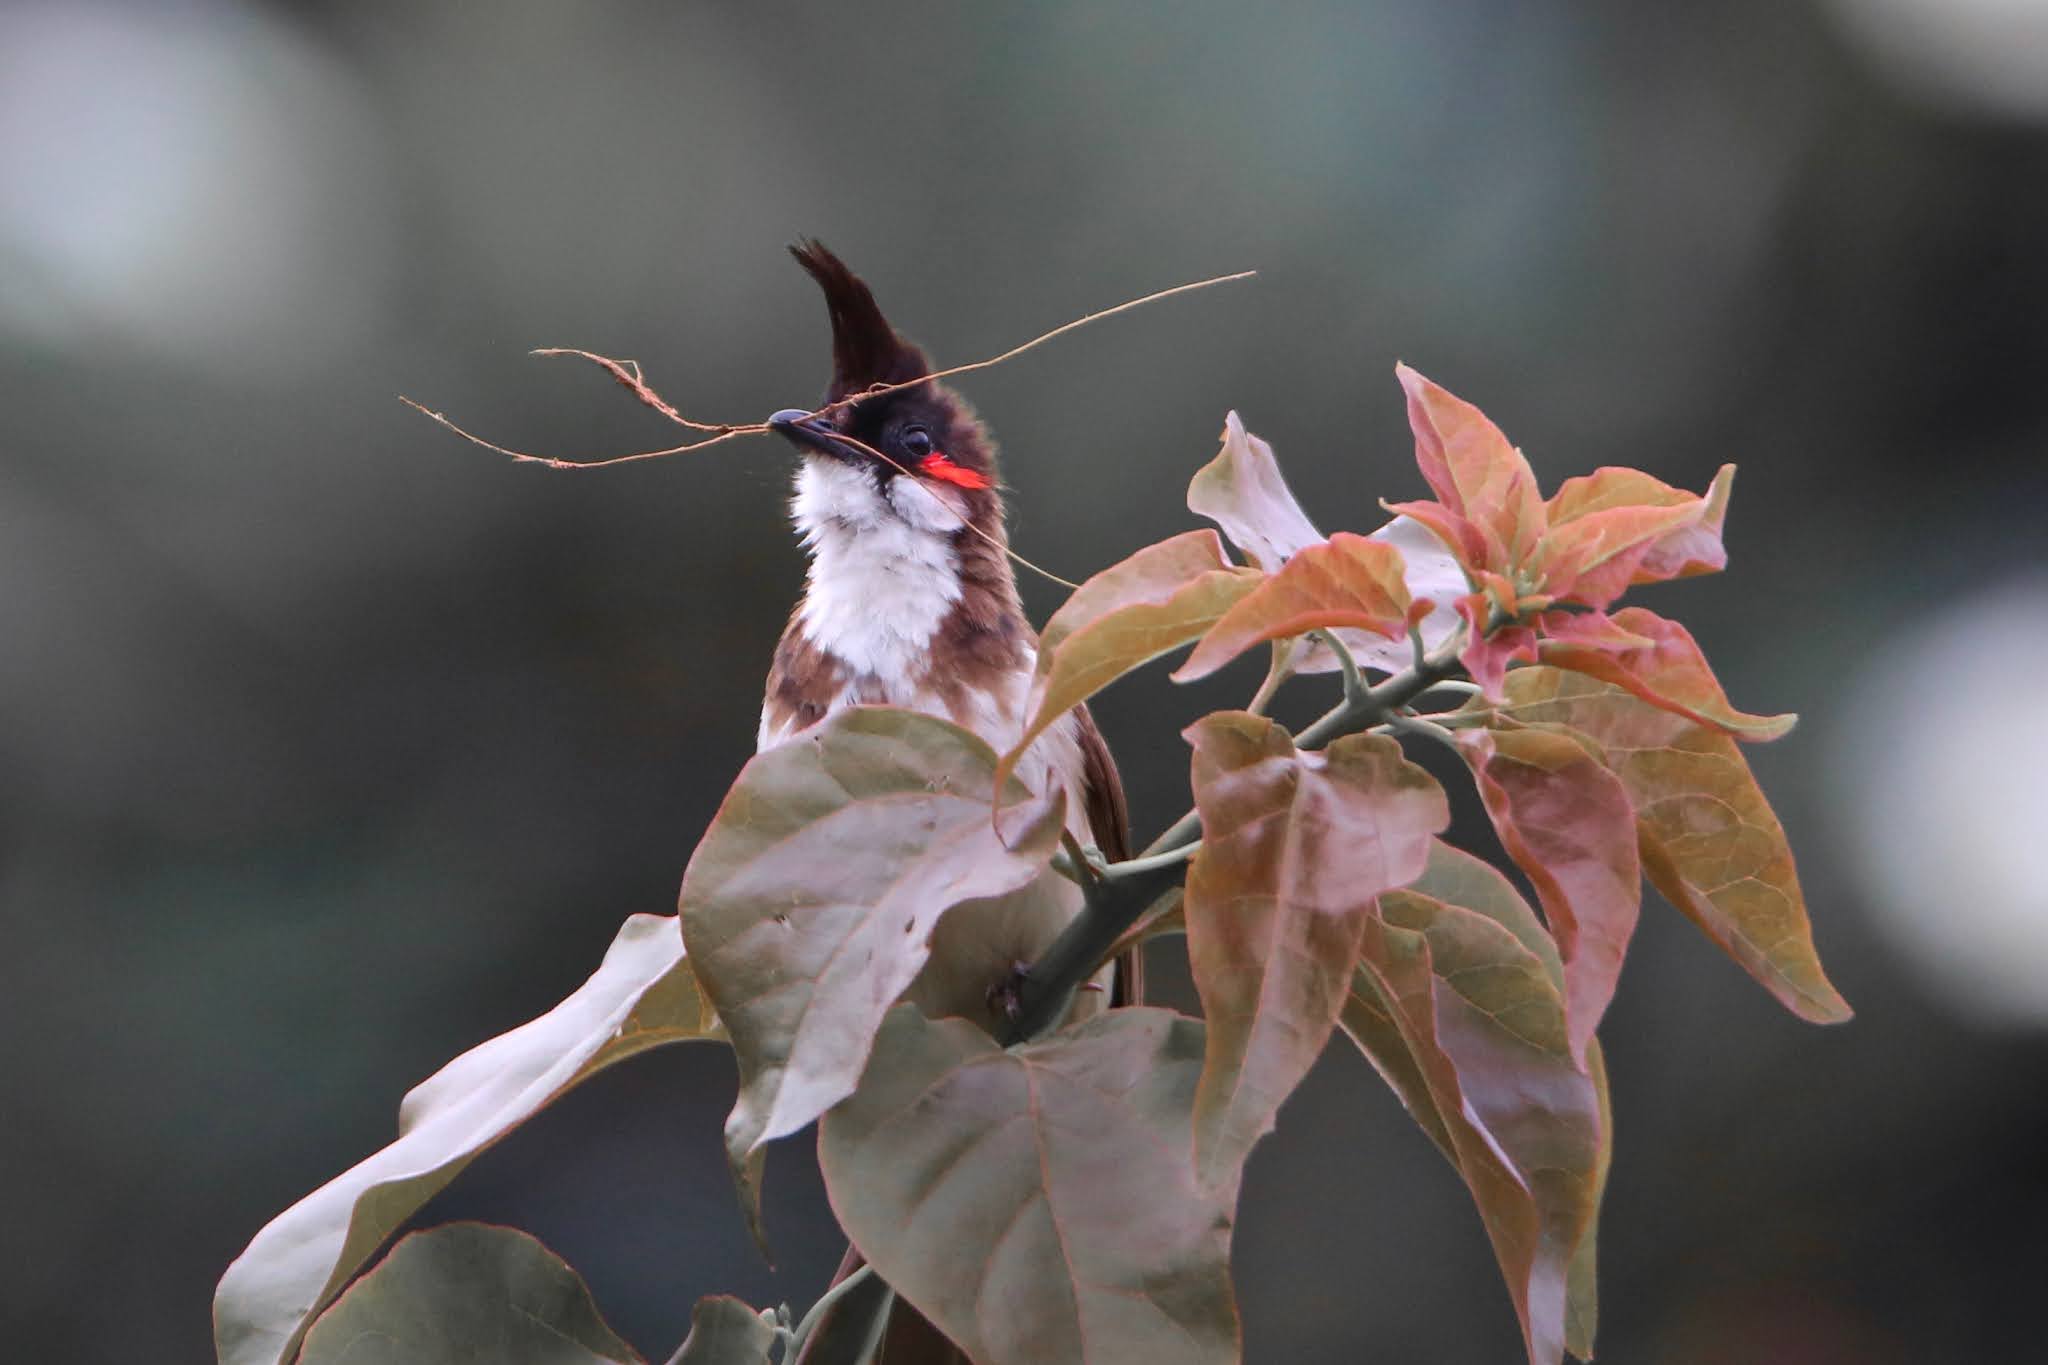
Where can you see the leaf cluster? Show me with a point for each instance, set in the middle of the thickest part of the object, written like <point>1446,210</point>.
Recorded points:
<point>1045,1180</point>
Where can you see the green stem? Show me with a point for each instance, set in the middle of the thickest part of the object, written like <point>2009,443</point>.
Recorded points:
<point>848,1337</point>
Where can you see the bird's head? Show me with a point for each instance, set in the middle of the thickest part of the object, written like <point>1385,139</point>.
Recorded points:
<point>927,430</point>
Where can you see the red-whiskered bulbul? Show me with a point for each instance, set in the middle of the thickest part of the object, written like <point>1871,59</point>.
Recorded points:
<point>910,601</point>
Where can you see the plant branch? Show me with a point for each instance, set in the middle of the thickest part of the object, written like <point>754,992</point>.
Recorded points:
<point>1125,890</point>
<point>628,374</point>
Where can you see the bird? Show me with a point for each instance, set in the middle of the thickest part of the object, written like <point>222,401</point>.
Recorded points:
<point>910,601</point>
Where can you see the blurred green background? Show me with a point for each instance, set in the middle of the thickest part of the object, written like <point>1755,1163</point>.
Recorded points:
<point>330,745</point>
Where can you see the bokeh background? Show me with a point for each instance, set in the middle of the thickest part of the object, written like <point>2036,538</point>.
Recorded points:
<point>330,745</point>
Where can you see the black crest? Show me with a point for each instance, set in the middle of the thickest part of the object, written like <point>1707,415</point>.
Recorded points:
<point>866,350</point>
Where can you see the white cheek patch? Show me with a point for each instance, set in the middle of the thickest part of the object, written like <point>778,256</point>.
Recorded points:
<point>926,507</point>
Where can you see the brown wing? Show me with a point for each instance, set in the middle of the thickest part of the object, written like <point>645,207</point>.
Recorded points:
<point>1109,822</point>
<point>1109,818</point>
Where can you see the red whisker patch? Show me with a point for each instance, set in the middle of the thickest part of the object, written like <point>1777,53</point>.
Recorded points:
<point>945,471</point>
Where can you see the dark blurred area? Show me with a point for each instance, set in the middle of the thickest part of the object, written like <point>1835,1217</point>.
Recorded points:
<point>332,745</point>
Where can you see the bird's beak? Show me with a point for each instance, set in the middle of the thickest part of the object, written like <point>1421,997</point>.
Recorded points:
<point>810,433</point>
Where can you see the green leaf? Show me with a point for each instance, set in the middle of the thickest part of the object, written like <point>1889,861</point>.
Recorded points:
<point>1709,839</point>
<point>1241,490</point>
<point>1458,878</point>
<point>1582,1298</point>
<point>1468,1025</point>
<point>1348,581</point>
<point>1129,614</point>
<point>725,1331</point>
<point>643,995</point>
<point>467,1294</point>
<point>1295,847</point>
<point>1567,822</point>
<point>1039,1204</point>
<point>810,905</point>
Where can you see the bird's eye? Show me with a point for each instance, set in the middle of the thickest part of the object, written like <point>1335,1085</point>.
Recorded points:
<point>916,442</point>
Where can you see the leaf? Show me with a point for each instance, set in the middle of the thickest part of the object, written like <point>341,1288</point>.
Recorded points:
<point>810,904</point>
<point>1159,599</point>
<point>1484,1062</point>
<point>1431,574</point>
<point>1488,654</point>
<point>1618,527</point>
<point>1241,490</point>
<point>725,1331</point>
<point>643,995</point>
<point>1671,673</point>
<point>1474,471</point>
<point>1346,581</point>
<point>466,1294</point>
<point>1696,549</point>
<point>1594,559</point>
<point>1468,881</point>
<point>1709,839</point>
<point>1295,847</point>
<point>1457,878</point>
<point>1039,1204</point>
<point>1582,1297</point>
<point>1567,822</point>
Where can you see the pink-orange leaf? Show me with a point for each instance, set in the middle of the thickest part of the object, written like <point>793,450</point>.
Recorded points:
<point>1295,846</point>
<point>1590,629</point>
<point>1157,600</point>
<point>1568,824</point>
<point>1709,840</point>
<point>1241,490</point>
<point>1487,654</point>
<point>1690,549</point>
<point>1671,673</point>
<point>1594,559</point>
<point>1460,537</point>
<point>1473,469</point>
<point>1347,581</point>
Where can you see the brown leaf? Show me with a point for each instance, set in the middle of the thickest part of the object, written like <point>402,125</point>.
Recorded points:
<point>1241,490</point>
<point>1160,598</point>
<point>1295,847</point>
<point>1709,839</point>
<point>1347,581</point>
<point>1039,1204</point>
<point>1469,1026</point>
<point>810,904</point>
<point>1568,824</point>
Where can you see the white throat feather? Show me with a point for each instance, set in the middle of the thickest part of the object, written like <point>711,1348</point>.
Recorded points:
<point>884,571</point>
